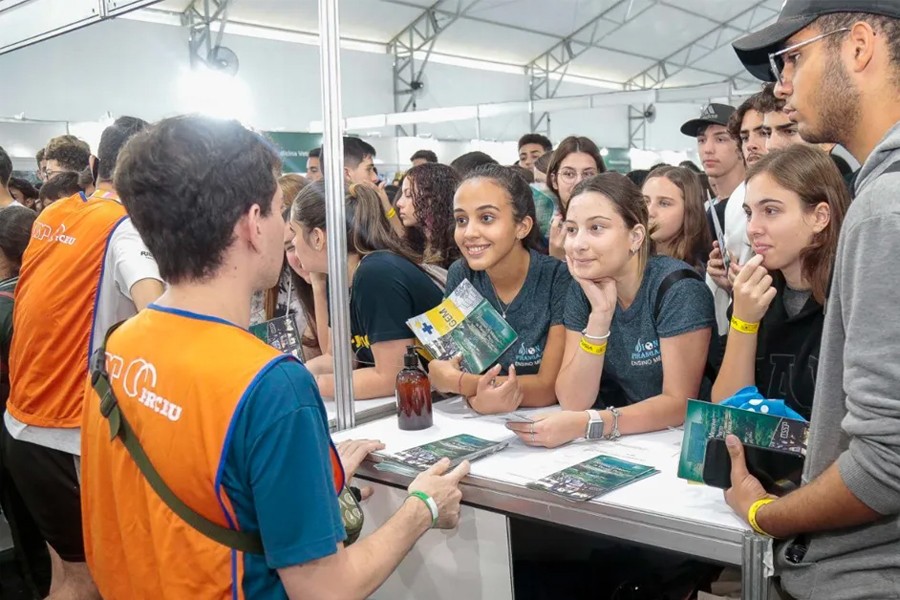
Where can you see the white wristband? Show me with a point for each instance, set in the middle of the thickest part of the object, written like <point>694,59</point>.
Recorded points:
<point>594,338</point>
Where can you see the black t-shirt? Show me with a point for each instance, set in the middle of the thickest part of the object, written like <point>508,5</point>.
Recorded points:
<point>539,305</point>
<point>387,290</point>
<point>787,352</point>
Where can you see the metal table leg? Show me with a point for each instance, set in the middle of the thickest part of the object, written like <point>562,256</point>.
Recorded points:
<point>754,581</point>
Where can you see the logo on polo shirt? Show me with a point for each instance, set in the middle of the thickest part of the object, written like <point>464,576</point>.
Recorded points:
<point>528,356</point>
<point>139,383</point>
<point>645,353</point>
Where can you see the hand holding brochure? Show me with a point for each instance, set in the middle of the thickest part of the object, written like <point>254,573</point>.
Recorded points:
<point>705,420</point>
<point>591,478</point>
<point>466,324</point>
<point>457,448</point>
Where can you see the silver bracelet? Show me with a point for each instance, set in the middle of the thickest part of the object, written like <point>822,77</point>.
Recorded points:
<point>596,338</point>
<point>614,435</point>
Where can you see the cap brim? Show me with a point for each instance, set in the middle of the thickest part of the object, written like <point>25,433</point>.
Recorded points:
<point>692,128</point>
<point>753,50</point>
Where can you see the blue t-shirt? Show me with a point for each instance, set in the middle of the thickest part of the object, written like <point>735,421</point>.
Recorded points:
<point>277,474</point>
<point>539,305</point>
<point>632,369</point>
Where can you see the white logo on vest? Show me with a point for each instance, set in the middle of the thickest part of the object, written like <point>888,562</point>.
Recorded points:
<point>139,383</point>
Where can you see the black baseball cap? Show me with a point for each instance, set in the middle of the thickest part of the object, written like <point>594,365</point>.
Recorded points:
<point>712,114</point>
<point>753,50</point>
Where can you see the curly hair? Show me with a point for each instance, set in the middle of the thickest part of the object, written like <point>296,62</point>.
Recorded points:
<point>433,186</point>
<point>71,156</point>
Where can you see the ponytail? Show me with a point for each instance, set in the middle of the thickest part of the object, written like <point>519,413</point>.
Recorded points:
<point>368,229</point>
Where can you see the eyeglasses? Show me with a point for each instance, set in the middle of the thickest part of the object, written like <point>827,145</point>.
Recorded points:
<point>571,175</point>
<point>776,60</point>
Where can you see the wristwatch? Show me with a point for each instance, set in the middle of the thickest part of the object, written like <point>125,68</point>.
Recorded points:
<point>594,429</point>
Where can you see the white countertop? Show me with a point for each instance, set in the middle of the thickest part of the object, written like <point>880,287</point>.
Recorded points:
<point>662,494</point>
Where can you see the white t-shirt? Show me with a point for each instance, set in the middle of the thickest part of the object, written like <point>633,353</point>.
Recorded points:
<point>738,245</point>
<point>127,261</point>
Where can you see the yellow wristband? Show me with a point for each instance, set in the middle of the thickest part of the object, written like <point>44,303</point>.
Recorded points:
<point>598,350</point>
<point>744,326</point>
<point>391,213</point>
<point>751,515</point>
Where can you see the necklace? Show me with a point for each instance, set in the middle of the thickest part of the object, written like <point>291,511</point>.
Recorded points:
<point>503,307</point>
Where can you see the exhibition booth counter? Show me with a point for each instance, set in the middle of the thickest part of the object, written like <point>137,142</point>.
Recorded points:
<point>474,561</point>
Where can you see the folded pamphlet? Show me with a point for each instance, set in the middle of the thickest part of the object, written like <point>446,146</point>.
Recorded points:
<point>457,448</point>
<point>465,324</point>
<point>592,478</point>
<point>705,420</point>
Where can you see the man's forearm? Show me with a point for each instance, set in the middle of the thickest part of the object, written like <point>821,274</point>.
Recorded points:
<point>825,504</point>
<point>375,557</point>
<point>359,570</point>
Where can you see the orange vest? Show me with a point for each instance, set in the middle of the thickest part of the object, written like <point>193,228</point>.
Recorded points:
<point>179,379</point>
<point>54,310</point>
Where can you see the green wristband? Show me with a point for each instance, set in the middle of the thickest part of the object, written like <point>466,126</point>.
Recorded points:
<point>430,503</point>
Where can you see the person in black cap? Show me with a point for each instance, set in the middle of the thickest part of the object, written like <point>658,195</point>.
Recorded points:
<point>719,152</point>
<point>837,66</point>
<point>724,164</point>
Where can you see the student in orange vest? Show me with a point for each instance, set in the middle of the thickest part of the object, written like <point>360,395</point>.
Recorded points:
<point>85,269</point>
<point>236,430</point>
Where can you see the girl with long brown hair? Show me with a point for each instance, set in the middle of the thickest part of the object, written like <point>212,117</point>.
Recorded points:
<point>795,205</point>
<point>678,225</point>
<point>388,286</point>
<point>637,325</point>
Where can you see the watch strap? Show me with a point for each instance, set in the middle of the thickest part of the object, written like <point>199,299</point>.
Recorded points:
<point>594,429</point>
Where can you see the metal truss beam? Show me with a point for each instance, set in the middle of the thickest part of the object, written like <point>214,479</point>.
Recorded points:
<point>547,70</point>
<point>202,17</point>
<point>637,127</point>
<point>417,38</point>
<point>754,17</point>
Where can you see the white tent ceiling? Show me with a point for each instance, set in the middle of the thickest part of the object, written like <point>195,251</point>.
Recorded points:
<point>622,40</point>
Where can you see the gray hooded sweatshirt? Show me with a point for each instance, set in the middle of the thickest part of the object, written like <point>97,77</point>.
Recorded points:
<point>856,411</point>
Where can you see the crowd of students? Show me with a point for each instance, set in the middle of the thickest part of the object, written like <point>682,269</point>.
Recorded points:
<point>629,295</point>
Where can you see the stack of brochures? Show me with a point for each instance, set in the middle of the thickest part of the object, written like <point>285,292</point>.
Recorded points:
<point>465,324</point>
<point>705,420</point>
<point>592,478</point>
<point>457,448</point>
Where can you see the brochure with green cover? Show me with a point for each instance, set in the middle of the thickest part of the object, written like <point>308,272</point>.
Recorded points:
<point>591,478</point>
<point>280,333</point>
<point>457,448</point>
<point>705,420</point>
<point>466,324</point>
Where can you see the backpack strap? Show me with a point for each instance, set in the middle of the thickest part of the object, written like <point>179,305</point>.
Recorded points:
<point>243,541</point>
<point>670,280</point>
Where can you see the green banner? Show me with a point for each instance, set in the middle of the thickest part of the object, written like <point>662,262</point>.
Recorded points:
<point>294,148</point>
<point>618,159</point>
